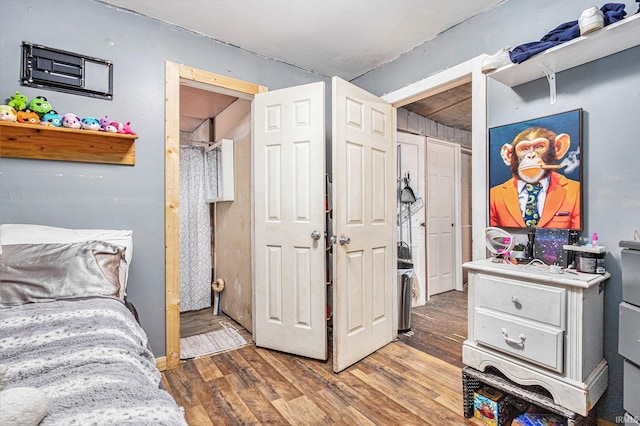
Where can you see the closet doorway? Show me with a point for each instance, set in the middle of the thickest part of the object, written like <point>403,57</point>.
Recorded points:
<point>185,88</point>
<point>466,73</point>
<point>434,167</point>
<point>420,109</point>
<point>214,224</point>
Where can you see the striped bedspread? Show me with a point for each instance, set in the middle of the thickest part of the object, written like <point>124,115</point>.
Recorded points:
<point>90,357</point>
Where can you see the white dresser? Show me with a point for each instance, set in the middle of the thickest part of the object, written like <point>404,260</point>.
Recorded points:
<point>538,328</point>
<point>629,334</point>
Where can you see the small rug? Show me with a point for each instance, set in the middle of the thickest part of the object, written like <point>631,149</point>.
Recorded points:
<point>210,343</point>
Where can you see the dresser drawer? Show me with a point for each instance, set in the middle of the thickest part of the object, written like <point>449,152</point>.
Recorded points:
<point>541,303</point>
<point>631,276</point>
<point>629,333</point>
<point>631,389</point>
<point>540,344</point>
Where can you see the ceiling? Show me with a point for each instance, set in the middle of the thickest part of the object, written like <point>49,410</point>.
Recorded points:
<point>328,37</point>
<point>451,107</point>
<point>197,106</point>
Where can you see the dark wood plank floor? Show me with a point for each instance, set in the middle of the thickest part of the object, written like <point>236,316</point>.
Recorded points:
<point>396,385</point>
<point>440,326</point>
<point>413,381</point>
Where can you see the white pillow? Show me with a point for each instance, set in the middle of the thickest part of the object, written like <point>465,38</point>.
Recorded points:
<point>41,234</point>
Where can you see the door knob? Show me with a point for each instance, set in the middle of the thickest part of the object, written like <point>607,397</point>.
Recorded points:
<point>344,240</point>
<point>315,235</point>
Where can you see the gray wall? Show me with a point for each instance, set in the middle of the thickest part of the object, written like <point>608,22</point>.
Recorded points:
<point>79,195</point>
<point>609,92</point>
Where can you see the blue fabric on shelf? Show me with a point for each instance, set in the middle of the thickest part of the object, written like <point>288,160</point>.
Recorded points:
<point>613,12</point>
<point>560,34</point>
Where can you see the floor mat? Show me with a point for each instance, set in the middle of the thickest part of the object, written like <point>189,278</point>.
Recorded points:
<point>210,343</point>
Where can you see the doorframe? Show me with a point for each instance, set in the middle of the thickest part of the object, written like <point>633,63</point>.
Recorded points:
<point>175,76</point>
<point>468,71</point>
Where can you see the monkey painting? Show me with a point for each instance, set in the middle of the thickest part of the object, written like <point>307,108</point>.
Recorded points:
<point>537,195</point>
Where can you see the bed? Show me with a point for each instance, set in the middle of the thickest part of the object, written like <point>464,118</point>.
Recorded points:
<point>67,332</point>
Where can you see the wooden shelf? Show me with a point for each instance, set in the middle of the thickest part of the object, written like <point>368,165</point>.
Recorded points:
<point>58,143</point>
<point>611,39</point>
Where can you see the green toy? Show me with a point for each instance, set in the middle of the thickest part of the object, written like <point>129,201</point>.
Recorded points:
<point>40,106</point>
<point>18,101</point>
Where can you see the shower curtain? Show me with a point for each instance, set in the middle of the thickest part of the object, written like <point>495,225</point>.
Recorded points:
<point>195,232</point>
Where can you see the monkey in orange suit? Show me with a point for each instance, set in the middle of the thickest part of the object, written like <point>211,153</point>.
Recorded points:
<point>533,156</point>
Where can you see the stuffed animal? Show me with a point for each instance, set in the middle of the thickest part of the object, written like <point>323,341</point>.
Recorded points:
<point>7,113</point>
<point>27,116</point>
<point>71,121</point>
<point>126,129</point>
<point>90,123</point>
<point>104,122</point>
<point>18,101</point>
<point>40,106</point>
<point>52,118</point>
<point>113,127</point>
<point>21,406</point>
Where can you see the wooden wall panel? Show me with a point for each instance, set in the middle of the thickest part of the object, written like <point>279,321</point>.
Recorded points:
<point>233,219</point>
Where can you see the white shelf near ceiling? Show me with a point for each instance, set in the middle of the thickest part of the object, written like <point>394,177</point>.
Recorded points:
<point>611,39</point>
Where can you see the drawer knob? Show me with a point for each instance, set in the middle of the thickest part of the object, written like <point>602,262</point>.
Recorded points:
<point>516,302</point>
<point>513,341</point>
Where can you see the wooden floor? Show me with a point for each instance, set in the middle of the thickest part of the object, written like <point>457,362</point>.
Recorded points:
<point>440,326</point>
<point>400,384</point>
<point>397,385</point>
<point>203,321</point>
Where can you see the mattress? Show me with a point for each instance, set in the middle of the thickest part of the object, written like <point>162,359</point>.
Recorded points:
<point>91,359</point>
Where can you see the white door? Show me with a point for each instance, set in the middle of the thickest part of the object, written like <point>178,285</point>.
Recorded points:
<point>411,157</point>
<point>442,216</point>
<point>289,221</point>
<point>364,205</point>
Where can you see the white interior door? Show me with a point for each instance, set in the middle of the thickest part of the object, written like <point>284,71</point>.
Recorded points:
<point>443,218</point>
<point>411,152</point>
<point>289,221</point>
<point>364,191</point>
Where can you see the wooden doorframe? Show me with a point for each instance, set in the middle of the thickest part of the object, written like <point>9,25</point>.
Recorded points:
<point>469,71</point>
<point>176,75</point>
